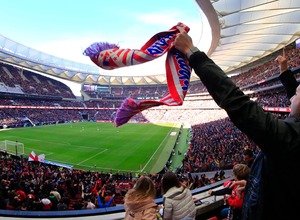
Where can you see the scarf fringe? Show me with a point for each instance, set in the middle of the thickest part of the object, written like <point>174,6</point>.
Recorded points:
<point>126,111</point>
<point>130,107</point>
<point>96,48</point>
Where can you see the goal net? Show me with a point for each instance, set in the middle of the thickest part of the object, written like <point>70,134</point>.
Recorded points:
<point>12,147</point>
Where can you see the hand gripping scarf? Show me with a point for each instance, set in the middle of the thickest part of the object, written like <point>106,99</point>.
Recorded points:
<point>178,71</point>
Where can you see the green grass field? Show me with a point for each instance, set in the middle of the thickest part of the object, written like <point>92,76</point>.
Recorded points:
<point>100,146</point>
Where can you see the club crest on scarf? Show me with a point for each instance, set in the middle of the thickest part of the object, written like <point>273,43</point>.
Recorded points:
<point>178,72</point>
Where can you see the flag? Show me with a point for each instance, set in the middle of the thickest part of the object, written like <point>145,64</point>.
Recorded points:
<point>33,157</point>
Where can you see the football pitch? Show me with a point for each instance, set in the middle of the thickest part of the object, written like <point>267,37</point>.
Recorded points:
<point>100,146</point>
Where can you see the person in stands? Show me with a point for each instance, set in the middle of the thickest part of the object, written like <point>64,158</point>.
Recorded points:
<point>139,201</point>
<point>101,203</point>
<point>249,157</point>
<point>278,139</point>
<point>178,202</point>
<point>233,198</point>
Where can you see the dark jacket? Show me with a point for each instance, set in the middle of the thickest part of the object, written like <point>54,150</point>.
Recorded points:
<point>103,204</point>
<point>289,82</point>
<point>268,193</point>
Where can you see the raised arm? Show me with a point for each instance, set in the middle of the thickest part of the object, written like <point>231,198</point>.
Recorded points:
<point>268,132</point>
<point>286,76</point>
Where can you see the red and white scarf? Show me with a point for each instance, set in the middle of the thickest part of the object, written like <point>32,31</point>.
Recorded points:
<point>178,71</point>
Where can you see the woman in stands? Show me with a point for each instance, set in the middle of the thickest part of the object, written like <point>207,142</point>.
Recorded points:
<point>178,201</point>
<point>139,201</point>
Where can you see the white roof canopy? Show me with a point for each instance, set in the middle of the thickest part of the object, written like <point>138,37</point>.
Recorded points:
<point>242,32</point>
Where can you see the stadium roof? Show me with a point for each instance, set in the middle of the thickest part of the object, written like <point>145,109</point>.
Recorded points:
<point>242,32</point>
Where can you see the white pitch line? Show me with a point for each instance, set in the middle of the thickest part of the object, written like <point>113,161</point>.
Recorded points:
<point>142,170</point>
<point>91,157</point>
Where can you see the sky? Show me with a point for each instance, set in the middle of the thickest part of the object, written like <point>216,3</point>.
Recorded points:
<point>65,28</point>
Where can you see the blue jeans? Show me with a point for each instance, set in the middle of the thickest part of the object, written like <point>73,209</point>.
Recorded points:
<point>224,212</point>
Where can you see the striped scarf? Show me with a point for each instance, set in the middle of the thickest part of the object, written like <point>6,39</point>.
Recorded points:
<point>178,71</point>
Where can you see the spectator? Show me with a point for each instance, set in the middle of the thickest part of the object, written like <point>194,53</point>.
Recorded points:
<point>46,204</point>
<point>103,204</point>
<point>37,204</point>
<point>61,205</point>
<point>286,77</point>
<point>21,194</point>
<point>23,207</point>
<point>231,197</point>
<point>277,138</point>
<point>54,201</point>
<point>248,157</point>
<point>56,194</point>
<point>139,201</point>
<point>178,201</point>
<point>90,204</point>
<point>78,204</point>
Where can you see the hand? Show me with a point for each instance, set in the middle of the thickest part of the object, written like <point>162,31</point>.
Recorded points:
<point>183,42</point>
<point>282,61</point>
<point>225,199</point>
<point>241,183</point>
<point>209,192</point>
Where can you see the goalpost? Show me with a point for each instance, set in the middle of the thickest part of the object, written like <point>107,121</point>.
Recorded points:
<point>12,147</point>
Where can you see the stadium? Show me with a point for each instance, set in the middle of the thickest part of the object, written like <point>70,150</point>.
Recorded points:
<point>52,139</point>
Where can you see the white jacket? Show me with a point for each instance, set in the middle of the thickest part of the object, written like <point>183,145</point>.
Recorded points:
<point>178,204</point>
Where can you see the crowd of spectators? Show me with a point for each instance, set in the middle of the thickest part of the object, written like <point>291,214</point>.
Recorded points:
<point>32,83</point>
<point>214,145</point>
<point>42,187</point>
<point>66,109</point>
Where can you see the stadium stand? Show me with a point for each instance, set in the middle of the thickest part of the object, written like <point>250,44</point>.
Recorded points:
<point>198,159</point>
<point>24,92</point>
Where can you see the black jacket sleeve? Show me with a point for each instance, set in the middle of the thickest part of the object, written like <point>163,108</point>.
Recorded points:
<point>289,82</point>
<point>221,192</point>
<point>272,135</point>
